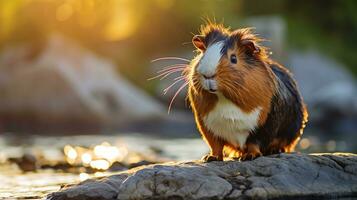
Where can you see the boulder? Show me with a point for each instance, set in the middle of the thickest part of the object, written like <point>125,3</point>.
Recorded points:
<point>280,176</point>
<point>62,82</point>
<point>324,82</point>
<point>330,92</point>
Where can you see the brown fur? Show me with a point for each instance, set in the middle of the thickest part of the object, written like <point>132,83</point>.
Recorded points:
<point>251,151</point>
<point>248,84</point>
<point>252,86</point>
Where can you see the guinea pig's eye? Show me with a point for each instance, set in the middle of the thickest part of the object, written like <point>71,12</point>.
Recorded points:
<point>233,59</point>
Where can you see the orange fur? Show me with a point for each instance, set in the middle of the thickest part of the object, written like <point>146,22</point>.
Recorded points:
<point>249,84</point>
<point>246,86</point>
<point>216,144</point>
<point>251,151</point>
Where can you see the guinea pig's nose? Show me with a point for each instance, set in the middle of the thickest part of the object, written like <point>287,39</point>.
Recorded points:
<point>208,76</point>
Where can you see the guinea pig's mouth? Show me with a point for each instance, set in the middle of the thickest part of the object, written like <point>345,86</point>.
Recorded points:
<point>210,85</point>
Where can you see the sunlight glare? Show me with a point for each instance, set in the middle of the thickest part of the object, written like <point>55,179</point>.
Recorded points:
<point>70,153</point>
<point>100,164</point>
<point>83,176</point>
<point>86,158</point>
<point>121,26</point>
<point>105,150</point>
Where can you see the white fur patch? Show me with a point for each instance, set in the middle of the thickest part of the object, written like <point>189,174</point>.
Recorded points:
<point>230,123</point>
<point>209,61</point>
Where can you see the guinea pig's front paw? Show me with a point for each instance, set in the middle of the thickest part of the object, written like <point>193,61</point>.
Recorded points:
<point>210,158</point>
<point>250,156</point>
<point>252,152</point>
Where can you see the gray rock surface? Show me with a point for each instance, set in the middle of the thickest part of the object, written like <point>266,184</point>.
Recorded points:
<point>64,83</point>
<point>324,82</point>
<point>278,176</point>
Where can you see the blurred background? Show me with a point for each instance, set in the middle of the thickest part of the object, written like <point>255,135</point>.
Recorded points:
<point>74,88</point>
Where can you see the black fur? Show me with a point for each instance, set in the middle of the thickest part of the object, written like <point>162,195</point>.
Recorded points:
<point>287,115</point>
<point>230,42</point>
<point>214,36</point>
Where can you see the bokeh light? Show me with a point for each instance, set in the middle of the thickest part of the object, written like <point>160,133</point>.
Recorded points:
<point>86,158</point>
<point>100,164</point>
<point>71,154</point>
<point>99,157</point>
<point>83,176</point>
<point>64,12</point>
<point>305,143</point>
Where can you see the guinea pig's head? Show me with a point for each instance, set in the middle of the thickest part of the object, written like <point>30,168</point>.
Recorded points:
<point>232,63</point>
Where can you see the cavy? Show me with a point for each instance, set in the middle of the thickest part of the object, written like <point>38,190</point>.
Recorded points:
<point>245,105</point>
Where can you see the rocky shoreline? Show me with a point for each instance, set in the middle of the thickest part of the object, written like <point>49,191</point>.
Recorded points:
<point>283,176</point>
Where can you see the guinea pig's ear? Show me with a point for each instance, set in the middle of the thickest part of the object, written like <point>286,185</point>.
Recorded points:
<point>199,42</point>
<point>251,47</point>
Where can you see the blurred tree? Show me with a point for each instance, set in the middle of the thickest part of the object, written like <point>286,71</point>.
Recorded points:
<point>133,32</point>
<point>329,25</point>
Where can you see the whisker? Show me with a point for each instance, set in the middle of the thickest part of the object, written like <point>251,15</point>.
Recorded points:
<point>180,77</point>
<point>171,72</point>
<point>195,82</point>
<point>174,83</point>
<point>165,74</point>
<point>186,43</point>
<point>172,67</point>
<point>170,58</point>
<point>177,92</point>
<point>183,68</point>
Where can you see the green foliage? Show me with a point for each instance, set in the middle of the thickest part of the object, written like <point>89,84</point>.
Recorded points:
<point>134,32</point>
<point>329,25</point>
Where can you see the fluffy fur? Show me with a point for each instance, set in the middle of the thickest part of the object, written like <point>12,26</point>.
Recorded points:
<point>230,123</point>
<point>255,109</point>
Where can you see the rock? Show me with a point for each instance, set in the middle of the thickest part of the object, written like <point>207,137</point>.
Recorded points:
<point>278,176</point>
<point>330,92</point>
<point>324,82</point>
<point>27,163</point>
<point>63,83</point>
<point>117,166</point>
<point>140,163</point>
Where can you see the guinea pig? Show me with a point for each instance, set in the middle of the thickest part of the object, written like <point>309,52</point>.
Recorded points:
<point>245,104</point>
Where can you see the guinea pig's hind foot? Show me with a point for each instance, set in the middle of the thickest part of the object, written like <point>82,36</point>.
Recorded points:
<point>210,158</point>
<point>251,152</point>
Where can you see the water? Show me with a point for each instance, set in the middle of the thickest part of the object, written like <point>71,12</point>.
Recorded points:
<point>16,184</point>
